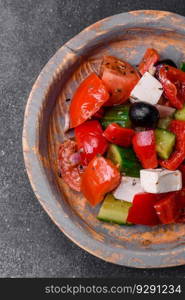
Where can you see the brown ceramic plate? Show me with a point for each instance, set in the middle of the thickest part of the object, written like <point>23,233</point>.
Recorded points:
<point>126,36</point>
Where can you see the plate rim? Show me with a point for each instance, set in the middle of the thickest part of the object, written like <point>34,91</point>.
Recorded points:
<point>67,54</point>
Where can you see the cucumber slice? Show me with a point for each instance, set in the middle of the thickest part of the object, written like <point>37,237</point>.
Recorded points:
<point>117,114</point>
<point>164,122</point>
<point>180,114</point>
<point>113,210</point>
<point>165,141</point>
<point>126,159</point>
<point>182,66</point>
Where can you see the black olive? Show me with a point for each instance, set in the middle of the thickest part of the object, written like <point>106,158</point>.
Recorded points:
<point>143,114</point>
<point>168,62</point>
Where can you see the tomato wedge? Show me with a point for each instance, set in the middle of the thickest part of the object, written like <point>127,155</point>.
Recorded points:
<point>90,140</point>
<point>145,148</point>
<point>118,135</point>
<point>119,77</point>
<point>99,114</point>
<point>100,177</point>
<point>87,100</point>
<point>150,57</point>
<point>68,166</point>
<point>173,82</point>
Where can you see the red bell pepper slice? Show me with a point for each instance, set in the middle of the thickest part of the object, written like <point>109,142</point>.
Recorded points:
<point>145,148</point>
<point>178,156</point>
<point>142,210</point>
<point>100,177</point>
<point>181,202</point>
<point>119,77</point>
<point>182,169</point>
<point>168,209</point>
<point>119,135</point>
<point>90,140</point>
<point>150,57</point>
<point>181,218</point>
<point>178,128</point>
<point>180,196</point>
<point>87,100</point>
<point>173,82</point>
<point>173,162</point>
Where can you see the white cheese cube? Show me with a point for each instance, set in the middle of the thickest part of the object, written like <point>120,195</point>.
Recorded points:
<point>148,89</point>
<point>128,188</point>
<point>158,181</point>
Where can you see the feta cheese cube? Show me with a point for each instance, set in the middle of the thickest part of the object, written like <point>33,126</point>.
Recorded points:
<point>128,188</point>
<point>148,89</point>
<point>158,181</point>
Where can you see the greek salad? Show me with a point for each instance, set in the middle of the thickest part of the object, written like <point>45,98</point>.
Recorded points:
<point>128,150</point>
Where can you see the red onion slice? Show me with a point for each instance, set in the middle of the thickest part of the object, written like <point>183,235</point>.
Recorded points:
<point>165,111</point>
<point>75,158</point>
<point>66,122</point>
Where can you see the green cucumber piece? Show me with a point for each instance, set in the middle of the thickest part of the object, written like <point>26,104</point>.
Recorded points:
<point>164,122</point>
<point>180,114</point>
<point>182,66</point>
<point>113,210</point>
<point>165,141</point>
<point>126,159</point>
<point>117,114</point>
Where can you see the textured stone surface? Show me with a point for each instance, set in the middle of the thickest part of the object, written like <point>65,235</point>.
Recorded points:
<point>30,33</point>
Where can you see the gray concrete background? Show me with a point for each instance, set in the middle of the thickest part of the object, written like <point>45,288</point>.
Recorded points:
<point>30,33</point>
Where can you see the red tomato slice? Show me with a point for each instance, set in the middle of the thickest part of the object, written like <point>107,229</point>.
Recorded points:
<point>87,100</point>
<point>100,177</point>
<point>150,57</point>
<point>145,148</point>
<point>70,168</point>
<point>119,135</point>
<point>99,114</point>
<point>173,82</point>
<point>90,140</point>
<point>119,77</point>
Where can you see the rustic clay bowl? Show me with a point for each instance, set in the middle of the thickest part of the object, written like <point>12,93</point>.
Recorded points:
<point>126,36</point>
